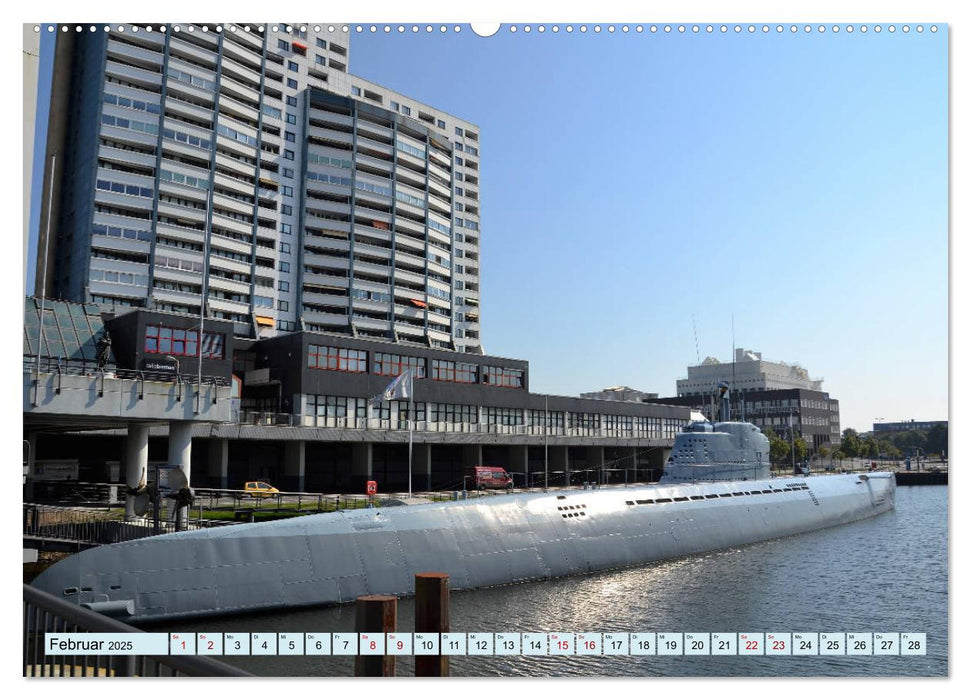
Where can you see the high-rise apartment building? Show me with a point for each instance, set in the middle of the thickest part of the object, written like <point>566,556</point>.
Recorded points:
<point>247,165</point>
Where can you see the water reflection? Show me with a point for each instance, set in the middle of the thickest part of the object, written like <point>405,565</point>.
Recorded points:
<point>885,574</point>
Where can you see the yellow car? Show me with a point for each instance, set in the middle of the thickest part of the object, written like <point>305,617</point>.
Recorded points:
<point>255,489</point>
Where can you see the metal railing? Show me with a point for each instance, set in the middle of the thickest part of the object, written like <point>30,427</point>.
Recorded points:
<point>45,613</point>
<point>64,366</point>
<point>250,417</point>
<point>89,527</point>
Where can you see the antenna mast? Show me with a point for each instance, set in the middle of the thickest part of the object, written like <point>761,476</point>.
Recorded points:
<point>695,329</point>
<point>734,387</point>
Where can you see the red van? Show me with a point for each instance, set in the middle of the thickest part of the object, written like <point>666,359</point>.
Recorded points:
<point>488,478</point>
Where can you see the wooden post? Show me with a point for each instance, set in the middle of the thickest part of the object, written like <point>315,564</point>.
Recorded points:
<point>375,613</point>
<point>431,615</point>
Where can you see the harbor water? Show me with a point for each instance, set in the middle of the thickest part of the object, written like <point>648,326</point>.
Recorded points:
<point>885,574</point>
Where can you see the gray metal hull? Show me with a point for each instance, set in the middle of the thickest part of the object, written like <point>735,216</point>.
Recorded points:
<point>335,557</point>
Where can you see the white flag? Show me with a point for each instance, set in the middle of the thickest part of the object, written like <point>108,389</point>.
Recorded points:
<point>400,388</point>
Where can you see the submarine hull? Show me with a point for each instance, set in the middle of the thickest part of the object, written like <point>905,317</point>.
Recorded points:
<point>335,557</point>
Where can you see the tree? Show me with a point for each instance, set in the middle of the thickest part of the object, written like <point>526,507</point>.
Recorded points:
<point>850,445</point>
<point>801,448</point>
<point>937,439</point>
<point>778,448</point>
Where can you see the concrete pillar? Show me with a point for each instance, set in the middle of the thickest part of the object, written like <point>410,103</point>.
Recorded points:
<point>629,464</point>
<point>30,469</point>
<point>361,466</point>
<point>180,451</point>
<point>559,462</point>
<point>219,461</point>
<point>31,441</point>
<point>519,464</point>
<point>595,459</point>
<point>471,455</point>
<point>294,461</point>
<point>421,467</point>
<point>136,463</point>
<point>657,458</point>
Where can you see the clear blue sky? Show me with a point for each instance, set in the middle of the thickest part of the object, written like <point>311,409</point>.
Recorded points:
<point>630,182</point>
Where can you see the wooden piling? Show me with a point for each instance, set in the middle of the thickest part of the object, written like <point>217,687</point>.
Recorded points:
<point>379,614</point>
<point>431,615</point>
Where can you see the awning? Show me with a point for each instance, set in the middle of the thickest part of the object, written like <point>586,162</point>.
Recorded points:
<point>265,321</point>
<point>420,304</point>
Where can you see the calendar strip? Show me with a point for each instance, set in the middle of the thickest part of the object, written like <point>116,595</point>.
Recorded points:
<point>491,644</point>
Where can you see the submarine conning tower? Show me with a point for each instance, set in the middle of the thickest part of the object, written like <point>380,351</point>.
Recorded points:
<point>725,451</point>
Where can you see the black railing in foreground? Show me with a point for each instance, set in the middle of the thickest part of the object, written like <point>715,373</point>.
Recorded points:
<point>88,526</point>
<point>64,366</point>
<point>45,613</point>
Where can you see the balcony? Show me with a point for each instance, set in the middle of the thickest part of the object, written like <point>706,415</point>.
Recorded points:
<point>236,166</point>
<point>232,224</point>
<point>122,156</point>
<point>180,48</point>
<point>146,58</point>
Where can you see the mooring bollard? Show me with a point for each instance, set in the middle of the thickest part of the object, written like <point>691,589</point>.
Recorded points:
<point>378,614</point>
<point>431,615</point>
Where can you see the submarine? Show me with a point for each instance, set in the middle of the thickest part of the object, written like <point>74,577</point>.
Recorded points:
<point>716,492</point>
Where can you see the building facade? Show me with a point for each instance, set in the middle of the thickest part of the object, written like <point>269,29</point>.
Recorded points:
<point>904,426</point>
<point>304,416</point>
<point>619,393</point>
<point>248,167</point>
<point>748,372</point>
<point>813,415</point>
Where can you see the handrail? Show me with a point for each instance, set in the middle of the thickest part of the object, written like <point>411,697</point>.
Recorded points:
<point>82,619</point>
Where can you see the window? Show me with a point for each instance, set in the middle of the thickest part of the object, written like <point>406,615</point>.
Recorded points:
<point>288,154</point>
<point>284,247</point>
<point>290,136</point>
<point>406,111</point>
<point>394,105</point>
<point>286,209</point>
<point>283,305</point>
<point>355,90</point>
<point>292,65</point>
<point>286,228</point>
<point>291,101</point>
<point>284,266</point>
<point>458,131</point>
<point>441,123</point>
<point>458,160</point>
<point>291,83</point>
<point>390,365</point>
<point>337,359</point>
<point>184,343</point>
<point>291,118</point>
<point>282,45</point>
<point>288,172</point>
<point>284,286</point>
<point>337,406</point>
<point>502,376</point>
<point>460,372</point>
<point>321,43</point>
<point>320,60</point>
<point>458,147</point>
<point>287,191</point>
<point>503,416</point>
<point>452,413</point>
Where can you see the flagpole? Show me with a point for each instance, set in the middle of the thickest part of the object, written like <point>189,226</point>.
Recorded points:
<point>411,422</point>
